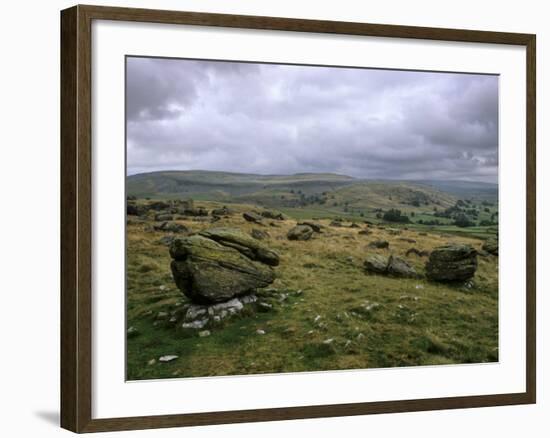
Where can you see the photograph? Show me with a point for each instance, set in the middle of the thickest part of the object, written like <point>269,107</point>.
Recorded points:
<point>287,218</point>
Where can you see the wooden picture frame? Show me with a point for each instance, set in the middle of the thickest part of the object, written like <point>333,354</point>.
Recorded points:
<point>76,218</point>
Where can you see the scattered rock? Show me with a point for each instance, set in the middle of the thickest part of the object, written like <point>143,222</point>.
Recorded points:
<point>365,232</point>
<point>259,234</point>
<point>152,362</point>
<point>204,333</point>
<point>380,244</point>
<point>245,244</point>
<point>260,332</point>
<point>224,211</point>
<point>132,331</point>
<point>419,253</point>
<point>376,264</point>
<point>193,211</point>
<point>354,225</point>
<point>452,262</point>
<point>135,210</point>
<point>208,272</point>
<point>336,223</point>
<point>491,246</point>
<point>317,227</point>
<point>166,240</point>
<point>163,217</point>
<point>328,341</point>
<point>300,232</point>
<point>272,215</point>
<point>195,325</point>
<point>167,358</point>
<point>394,231</point>
<point>406,239</point>
<point>159,205</point>
<point>250,216</point>
<point>171,227</point>
<point>397,267</point>
<point>264,307</point>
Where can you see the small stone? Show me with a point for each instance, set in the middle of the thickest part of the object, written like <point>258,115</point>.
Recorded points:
<point>260,332</point>
<point>162,315</point>
<point>132,331</point>
<point>317,318</point>
<point>198,324</point>
<point>152,362</point>
<point>328,341</point>
<point>204,333</point>
<point>264,307</point>
<point>168,358</point>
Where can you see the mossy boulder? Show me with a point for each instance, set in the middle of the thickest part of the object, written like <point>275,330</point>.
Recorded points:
<point>397,267</point>
<point>209,272</point>
<point>300,232</point>
<point>452,262</point>
<point>245,244</point>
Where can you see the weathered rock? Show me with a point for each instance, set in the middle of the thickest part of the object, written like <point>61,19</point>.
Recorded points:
<point>243,243</point>
<point>259,234</point>
<point>300,232</point>
<point>376,264</point>
<point>398,267</point>
<point>224,211</point>
<point>194,211</point>
<point>381,244</point>
<point>163,217</point>
<point>452,263</point>
<point>394,231</point>
<point>336,223</point>
<point>315,226</point>
<point>171,227</point>
<point>419,253</point>
<point>491,246</point>
<point>365,232</point>
<point>272,215</point>
<point>354,225</point>
<point>168,358</point>
<point>250,216</point>
<point>209,272</point>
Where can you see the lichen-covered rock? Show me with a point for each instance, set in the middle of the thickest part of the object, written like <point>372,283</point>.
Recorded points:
<point>209,272</point>
<point>397,267</point>
<point>376,264</point>
<point>245,244</point>
<point>452,263</point>
<point>491,246</point>
<point>300,232</point>
<point>259,234</point>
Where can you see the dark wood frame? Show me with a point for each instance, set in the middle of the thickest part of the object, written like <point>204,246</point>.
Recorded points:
<point>76,225</point>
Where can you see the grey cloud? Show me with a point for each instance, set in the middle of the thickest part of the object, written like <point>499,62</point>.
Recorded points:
<point>263,118</point>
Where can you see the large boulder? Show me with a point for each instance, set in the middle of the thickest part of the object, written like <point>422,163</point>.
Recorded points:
<point>491,246</point>
<point>397,267</point>
<point>376,264</point>
<point>208,272</point>
<point>243,243</point>
<point>452,263</point>
<point>300,232</point>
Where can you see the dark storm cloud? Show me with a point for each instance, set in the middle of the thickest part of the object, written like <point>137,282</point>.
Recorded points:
<point>278,119</point>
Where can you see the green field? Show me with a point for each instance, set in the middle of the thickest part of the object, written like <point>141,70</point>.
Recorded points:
<point>335,316</point>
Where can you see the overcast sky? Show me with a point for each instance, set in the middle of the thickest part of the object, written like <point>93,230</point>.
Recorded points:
<point>280,119</point>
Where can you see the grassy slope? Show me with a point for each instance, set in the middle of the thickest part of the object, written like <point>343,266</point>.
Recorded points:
<point>417,322</point>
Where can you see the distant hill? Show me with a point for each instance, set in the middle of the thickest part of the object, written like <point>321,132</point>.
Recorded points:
<point>323,190</point>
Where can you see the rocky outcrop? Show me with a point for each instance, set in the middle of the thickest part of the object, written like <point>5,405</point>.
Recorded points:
<point>316,227</point>
<point>208,272</point>
<point>245,244</point>
<point>452,263</point>
<point>300,232</point>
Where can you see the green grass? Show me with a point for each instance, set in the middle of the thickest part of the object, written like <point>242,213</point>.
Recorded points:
<point>373,321</point>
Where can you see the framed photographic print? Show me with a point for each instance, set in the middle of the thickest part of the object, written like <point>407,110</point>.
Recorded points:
<point>269,218</point>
